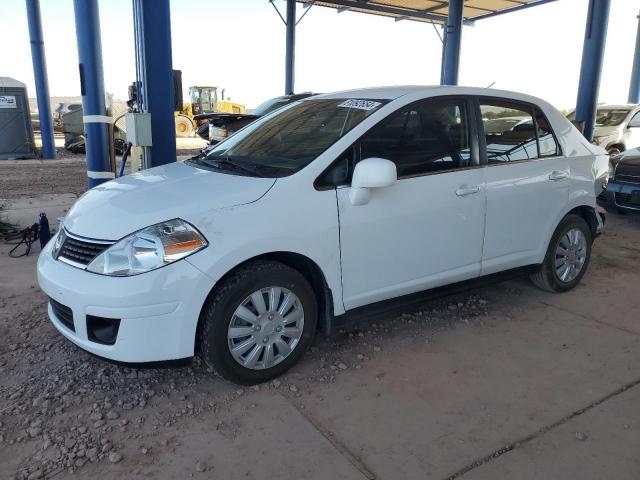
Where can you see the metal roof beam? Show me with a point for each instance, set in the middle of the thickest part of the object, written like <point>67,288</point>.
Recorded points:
<point>520,6</point>
<point>400,12</point>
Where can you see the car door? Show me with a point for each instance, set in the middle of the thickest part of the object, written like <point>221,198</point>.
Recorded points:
<point>633,132</point>
<point>527,185</point>
<point>425,230</point>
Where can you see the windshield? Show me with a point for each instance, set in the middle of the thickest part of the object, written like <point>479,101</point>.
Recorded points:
<point>287,140</point>
<point>606,117</point>
<point>610,118</point>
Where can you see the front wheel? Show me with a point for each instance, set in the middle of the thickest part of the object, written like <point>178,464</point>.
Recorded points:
<point>258,322</point>
<point>184,127</point>
<point>613,151</point>
<point>567,257</point>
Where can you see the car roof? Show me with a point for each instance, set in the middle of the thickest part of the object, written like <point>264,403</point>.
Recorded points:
<point>394,92</point>
<point>627,106</point>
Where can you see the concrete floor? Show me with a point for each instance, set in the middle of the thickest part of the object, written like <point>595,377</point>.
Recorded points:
<point>539,386</point>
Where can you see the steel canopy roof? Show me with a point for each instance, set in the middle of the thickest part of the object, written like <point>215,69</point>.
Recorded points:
<point>429,11</point>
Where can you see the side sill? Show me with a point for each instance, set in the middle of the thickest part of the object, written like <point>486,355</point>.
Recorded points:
<point>351,319</point>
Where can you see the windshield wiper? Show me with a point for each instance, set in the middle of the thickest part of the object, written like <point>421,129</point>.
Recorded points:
<point>218,162</point>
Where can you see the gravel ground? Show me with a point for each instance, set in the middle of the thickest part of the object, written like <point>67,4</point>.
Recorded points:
<point>68,174</point>
<point>33,178</point>
<point>62,410</point>
<point>67,414</point>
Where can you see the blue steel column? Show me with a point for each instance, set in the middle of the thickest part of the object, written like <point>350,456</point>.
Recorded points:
<point>595,37</point>
<point>154,72</point>
<point>40,76</point>
<point>451,43</point>
<point>634,87</point>
<point>290,58</point>
<point>92,89</point>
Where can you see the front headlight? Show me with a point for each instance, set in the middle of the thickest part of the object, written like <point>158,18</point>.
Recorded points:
<point>148,249</point>
<point>58,241</point>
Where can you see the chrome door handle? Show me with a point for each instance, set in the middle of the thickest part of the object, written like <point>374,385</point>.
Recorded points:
<point>465,190</point>
<point>558,175</point>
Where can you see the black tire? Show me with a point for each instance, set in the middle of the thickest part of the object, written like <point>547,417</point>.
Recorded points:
<point>547,278</point>
<point>184,127</point>
<point>613,151</point>
<point>223,301</point>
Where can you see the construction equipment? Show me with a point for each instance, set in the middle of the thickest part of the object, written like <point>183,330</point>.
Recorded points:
<point>204,99</point>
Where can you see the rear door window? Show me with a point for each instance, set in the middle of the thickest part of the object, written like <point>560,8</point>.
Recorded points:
<point>516,132</point>
<point>509,132</point>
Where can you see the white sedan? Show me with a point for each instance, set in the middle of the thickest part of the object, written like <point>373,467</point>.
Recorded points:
<point>323,207</point>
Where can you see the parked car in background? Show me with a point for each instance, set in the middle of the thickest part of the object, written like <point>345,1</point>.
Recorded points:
<point>504,124</point>
<point>328,205</point>
<point>221,125</point>
<point>617,127</point>
<point>35,121</point>
<point>60,110</point>
<point>622,192</point>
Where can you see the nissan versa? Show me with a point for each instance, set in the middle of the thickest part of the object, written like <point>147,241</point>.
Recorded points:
<point>325,206</point>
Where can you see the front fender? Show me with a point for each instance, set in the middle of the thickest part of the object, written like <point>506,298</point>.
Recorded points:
<point>308,228</point>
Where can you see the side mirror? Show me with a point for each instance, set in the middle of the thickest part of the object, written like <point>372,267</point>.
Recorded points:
<point>371,173</point>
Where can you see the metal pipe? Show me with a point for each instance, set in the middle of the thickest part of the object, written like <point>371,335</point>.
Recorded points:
<point>154,73</point>
<point>634,87</point>
<point>451,44</point>
<point>595,37</point>
<point>96,122</point>
<point>40,76</point>
<point>291,47</point>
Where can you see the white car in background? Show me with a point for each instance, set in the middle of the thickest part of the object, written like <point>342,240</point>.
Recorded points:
<point>315,211</point>
<point>617,127</point>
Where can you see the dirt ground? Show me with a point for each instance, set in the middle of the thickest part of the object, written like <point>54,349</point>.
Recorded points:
<point>504,381</point>
<point>26,178</point>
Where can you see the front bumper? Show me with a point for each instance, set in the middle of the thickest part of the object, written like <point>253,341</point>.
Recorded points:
<point>623,196</point>
<point>158,310</point>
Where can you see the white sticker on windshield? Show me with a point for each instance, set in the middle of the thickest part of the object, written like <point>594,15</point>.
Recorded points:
<point>360,104</point>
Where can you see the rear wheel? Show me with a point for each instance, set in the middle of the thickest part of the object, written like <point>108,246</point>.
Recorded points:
<point>567,256</point>
<point>258,322</point>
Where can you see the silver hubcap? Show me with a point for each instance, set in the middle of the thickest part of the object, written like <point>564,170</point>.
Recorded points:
<point>571,254</point>
<point>265,328</point>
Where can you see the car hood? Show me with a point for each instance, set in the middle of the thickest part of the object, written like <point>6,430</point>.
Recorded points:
<point>122,206</point>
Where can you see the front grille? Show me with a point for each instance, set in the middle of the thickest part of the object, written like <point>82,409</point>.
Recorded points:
<point>624,200</point>
<point>81,251</point>
<point>627,178</point>
<point>63,313</point>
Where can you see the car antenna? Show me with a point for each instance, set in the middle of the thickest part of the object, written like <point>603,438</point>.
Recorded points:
<point>491,84</point>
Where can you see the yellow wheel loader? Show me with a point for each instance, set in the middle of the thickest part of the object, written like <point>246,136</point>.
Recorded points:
<point>204,99</point>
